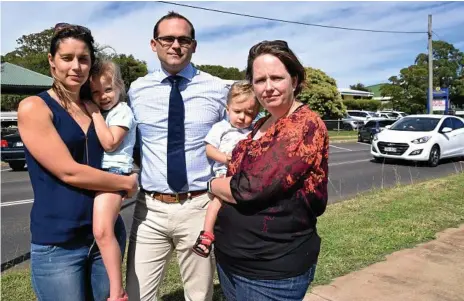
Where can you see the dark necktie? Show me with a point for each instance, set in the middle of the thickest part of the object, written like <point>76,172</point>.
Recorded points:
<point>177,170</point>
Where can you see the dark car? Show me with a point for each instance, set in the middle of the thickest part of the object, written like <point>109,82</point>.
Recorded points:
<point>372,127</point>
<point>13,151</point>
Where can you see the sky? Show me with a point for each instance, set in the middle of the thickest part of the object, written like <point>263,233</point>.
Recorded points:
<point>348,56</point>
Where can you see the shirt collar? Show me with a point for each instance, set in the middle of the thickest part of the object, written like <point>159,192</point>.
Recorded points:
<point>188,72</point>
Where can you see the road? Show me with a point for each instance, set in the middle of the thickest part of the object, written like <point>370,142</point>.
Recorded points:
<point>351,171</point>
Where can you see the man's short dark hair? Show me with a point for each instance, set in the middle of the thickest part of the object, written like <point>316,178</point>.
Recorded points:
<point>173,15</point>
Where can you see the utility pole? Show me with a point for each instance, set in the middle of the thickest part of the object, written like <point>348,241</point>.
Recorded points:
<point>430,94</point>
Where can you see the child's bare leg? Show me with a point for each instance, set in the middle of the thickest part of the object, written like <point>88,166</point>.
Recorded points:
<point>105,211</point>
<point>211,214</point>
<point>212,211</point>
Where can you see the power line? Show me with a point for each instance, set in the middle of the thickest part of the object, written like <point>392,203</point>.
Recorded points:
<point>293,22</point>
<point>433,32</point>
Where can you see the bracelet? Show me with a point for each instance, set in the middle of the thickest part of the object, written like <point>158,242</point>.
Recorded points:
<point>208,184</point>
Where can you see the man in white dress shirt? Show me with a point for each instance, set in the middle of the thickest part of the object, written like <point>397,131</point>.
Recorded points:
<point>174,107</point>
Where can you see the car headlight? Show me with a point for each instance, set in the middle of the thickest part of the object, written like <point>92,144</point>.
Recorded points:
<point>421,140</point>
<point>376,137</point>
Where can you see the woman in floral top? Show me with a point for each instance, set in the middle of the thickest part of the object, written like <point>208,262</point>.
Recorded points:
<point>266,240</point>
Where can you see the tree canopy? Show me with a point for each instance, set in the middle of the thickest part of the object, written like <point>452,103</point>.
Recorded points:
<point>222,72</point>
<point>320,93</point>
<point>32,53</point>
<point>359,87</point>
<point>409,89</point>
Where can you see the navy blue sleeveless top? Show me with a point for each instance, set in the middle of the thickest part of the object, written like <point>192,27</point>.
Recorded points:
<point>62,213</point>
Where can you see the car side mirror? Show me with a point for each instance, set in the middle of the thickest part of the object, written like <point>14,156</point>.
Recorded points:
<point>388,126</point>
<point>446,130</point>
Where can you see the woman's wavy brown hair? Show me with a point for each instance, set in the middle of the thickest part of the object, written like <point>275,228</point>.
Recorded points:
<point>64,31</point>
<point>280,50</point>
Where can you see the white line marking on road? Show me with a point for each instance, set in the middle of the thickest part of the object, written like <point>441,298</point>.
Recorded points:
<point>341,147</point>
<point>349,162</point>
<point>14,203</point>
<point>22,202</point>
<point>8,169</point>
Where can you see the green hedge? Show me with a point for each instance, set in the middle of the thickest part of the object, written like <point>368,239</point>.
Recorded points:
<point>10,102</point>
<point>362,104</point>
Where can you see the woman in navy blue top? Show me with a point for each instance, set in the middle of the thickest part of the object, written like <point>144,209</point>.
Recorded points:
<point>63,157</point>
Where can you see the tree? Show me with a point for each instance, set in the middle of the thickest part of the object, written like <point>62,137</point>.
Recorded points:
<point>362,104</point>
<point>222,72</point>
<point>321,94</point>
<point>409,89</point>
<point>32,53</point>
<point>131,68</point>
<point>359,87</point>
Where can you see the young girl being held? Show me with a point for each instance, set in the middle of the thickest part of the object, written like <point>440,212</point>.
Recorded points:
<point>115,127</point>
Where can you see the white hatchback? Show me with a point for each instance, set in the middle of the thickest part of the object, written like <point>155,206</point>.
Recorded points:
<point>421,138</point>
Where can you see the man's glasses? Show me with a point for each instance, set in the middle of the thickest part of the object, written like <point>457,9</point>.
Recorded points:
<point>61,26</point>
<point>169,40</point>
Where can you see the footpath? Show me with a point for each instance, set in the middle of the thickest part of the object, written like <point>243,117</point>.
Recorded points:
<point>432,271</point>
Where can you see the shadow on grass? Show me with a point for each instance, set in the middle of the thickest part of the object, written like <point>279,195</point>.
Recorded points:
<point>178,295</point>
<point>410,163</point>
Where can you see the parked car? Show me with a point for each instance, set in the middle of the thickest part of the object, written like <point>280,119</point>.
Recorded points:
<point>385,115</point>
<point>372,127</point>
<point>13,151</point>
<point>344,124</point>
<point>393,114</point>
<point>421,138</point>
<point>351,124</point>
<point>360,115</point>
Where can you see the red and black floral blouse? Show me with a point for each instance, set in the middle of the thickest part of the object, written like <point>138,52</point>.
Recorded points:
<point>279,182</point>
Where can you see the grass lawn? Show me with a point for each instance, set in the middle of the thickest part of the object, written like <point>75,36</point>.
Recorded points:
<point>355,233</point>
<point>343,135</point>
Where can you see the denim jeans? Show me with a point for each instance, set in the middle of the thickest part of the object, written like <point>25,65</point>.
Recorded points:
<point>236,287</point>
<point>119,171</point>
<point>73,271</point>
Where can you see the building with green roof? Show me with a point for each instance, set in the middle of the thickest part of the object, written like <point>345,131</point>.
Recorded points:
<point>18,80</point>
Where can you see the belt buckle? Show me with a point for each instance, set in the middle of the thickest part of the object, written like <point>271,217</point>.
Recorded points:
<point>177,198</point>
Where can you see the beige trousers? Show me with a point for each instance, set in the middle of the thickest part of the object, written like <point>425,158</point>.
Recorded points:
<point>158,229</point>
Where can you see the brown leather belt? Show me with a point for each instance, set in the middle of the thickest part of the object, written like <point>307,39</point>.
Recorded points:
<point>173,197</point>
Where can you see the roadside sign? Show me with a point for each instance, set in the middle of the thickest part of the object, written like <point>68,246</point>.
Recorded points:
<point>438,105</point>
<point>440,100</point>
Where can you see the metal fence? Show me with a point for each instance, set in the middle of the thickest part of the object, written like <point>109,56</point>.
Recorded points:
<point>342,125</point>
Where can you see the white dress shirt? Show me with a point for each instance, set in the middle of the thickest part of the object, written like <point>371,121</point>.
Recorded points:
<point>204,98</point>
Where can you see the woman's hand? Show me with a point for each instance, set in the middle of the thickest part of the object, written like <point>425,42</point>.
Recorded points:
<point>91,107</point>
<point>135,185</point>
<point>228,158</point>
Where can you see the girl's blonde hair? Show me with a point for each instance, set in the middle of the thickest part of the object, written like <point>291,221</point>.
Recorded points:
<point>240,88</point>
<point>109,68</point>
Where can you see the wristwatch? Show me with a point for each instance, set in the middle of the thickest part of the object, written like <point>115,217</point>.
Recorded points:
<point>208,184</point>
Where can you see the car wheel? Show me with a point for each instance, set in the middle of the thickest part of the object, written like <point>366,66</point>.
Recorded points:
<point>434,156</point>
<point>16,166</point>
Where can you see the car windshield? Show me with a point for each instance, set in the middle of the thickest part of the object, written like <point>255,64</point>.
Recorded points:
<point>416,124</point>
<point>384,123</point>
